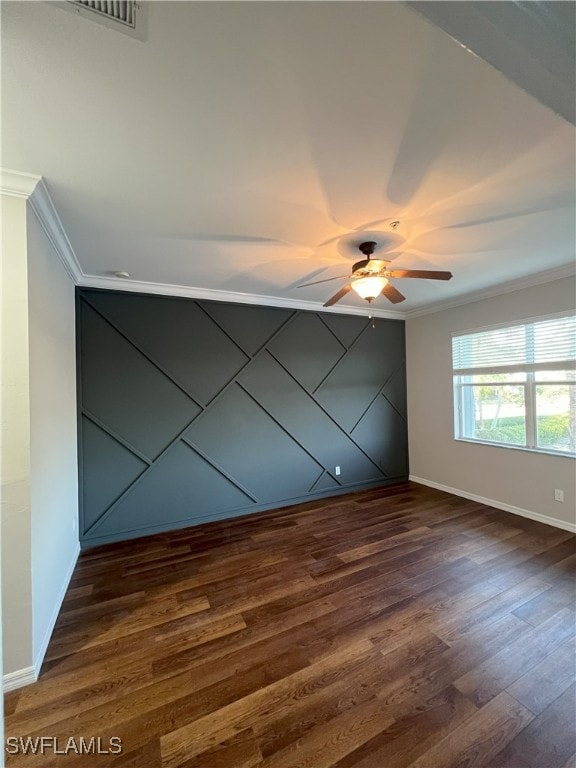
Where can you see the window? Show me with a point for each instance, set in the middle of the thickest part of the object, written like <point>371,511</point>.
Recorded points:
<point>516,385</point>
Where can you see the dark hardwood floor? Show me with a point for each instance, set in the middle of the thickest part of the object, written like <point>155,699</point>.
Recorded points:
<point>385,629</point>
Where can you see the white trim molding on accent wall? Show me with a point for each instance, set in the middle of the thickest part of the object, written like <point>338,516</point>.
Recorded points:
<point>554,521</point>
<point>211,294</point>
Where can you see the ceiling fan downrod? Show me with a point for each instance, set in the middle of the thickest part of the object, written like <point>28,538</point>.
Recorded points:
<point>367,248</point>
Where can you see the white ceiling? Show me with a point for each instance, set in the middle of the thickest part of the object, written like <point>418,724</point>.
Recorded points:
<point>249,147</point>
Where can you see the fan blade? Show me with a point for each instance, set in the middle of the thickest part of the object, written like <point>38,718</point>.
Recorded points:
<point>392,294</point>
<point>337,296</point>
<point>425,273</point>
<point>327,280</point>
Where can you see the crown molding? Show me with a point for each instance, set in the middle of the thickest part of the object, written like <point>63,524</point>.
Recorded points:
<point>42,205</point>
<point>528,281</point>
<point>235,297</point>
<point>210,294</point>
<point>33,189</point>
<point>17,184</point>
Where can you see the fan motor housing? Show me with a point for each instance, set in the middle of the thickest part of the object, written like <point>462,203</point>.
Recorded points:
<point>370,266</point>
<point>360,265</point>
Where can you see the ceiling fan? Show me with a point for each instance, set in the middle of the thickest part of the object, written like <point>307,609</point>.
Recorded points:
<point>371,277</point>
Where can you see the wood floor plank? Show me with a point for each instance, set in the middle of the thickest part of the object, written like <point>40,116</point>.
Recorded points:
<point>329,742</point>
<point>547,741</point>
<point>544,682</point>
<point>505,602</point>
<point>389,628</point>
<point>120,624</point>
<point>320,705</point>
<point>148,755</point>
<point>501,670</point>
<point>413,734</point>
<point>240,751</point>
<point>475,742</point>
<point>561,595</point>
<point>220,725</point>
<point>402,691</point>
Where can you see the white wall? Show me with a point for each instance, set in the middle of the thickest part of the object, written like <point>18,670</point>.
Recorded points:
<point>514,478</point>
<point>39,461</point>
<point>53,454</point>
<point>16,577</point>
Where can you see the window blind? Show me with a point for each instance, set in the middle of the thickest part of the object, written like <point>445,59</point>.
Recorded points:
<point>536,345</point>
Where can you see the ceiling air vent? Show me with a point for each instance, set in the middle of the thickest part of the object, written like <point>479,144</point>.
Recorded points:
<point>127,16</point>
<point>123,11</point>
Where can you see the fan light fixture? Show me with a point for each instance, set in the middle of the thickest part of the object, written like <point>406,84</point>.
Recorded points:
<point>369,287</point>
<point>370,277</point>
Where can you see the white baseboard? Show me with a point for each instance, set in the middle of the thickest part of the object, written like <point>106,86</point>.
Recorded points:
<point>565,526</point>
<point>21,677</point>
<point>56,610</point>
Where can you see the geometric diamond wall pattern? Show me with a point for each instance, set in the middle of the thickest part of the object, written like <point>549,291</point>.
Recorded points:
<point>195,411</point>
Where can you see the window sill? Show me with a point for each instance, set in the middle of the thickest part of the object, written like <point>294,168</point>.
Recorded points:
<point>541,451</point>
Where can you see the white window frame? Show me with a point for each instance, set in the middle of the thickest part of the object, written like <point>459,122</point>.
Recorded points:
<point>463,388</point>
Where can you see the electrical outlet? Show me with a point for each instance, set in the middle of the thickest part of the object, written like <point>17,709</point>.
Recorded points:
<point>337,471</point>
<point>558,495</point>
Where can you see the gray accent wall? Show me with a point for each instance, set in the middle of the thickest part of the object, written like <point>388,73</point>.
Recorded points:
<point>192,411</point>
